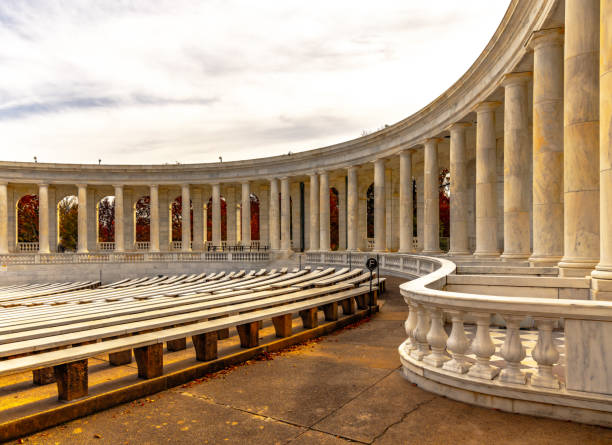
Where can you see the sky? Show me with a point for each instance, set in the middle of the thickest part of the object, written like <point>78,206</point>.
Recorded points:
<point>167,81</point>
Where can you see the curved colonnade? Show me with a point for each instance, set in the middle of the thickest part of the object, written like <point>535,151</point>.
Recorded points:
<point>525,134</point>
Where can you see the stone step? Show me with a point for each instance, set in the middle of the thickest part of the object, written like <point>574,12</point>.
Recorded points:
<point>506,270</point>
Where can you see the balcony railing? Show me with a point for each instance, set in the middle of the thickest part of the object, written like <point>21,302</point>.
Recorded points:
<point>28,247</point>
<point>106,246</point>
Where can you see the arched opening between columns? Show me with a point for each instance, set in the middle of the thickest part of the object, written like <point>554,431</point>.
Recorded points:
<point>334,219</point>
<point>27,223</point>
<point>105,209</point>
<point>67,224</point>
<point>444,203</point>
<point>370,214</point>
<point>142,221</point>
<point>209,218</point>
<point>176,215</point>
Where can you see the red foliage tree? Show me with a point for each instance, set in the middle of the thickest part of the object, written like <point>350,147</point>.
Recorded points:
<point>106,220</point>
<point>444,204</point>
<point>68,213</point>
<point>334,221</point>
<point>254,218</point>
<point>27,219</point>
<point>143,219</point>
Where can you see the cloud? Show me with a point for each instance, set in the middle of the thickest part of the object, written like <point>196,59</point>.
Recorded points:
<point>189,80</point>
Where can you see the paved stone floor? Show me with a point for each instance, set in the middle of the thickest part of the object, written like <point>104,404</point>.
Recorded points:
<point>345,388</point>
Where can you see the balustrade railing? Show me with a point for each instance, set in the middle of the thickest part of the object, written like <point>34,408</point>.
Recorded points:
<point>142,245</point>
<point>564,362</point>
<point>28,247</point>
<point>106,246</point>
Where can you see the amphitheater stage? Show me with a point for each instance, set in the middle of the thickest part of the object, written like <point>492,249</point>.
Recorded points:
<point>346,388</point>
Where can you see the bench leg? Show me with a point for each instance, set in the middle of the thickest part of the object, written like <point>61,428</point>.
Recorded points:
<point>205,346</point>
<point>43,376</point>
<point>282,325</point>
<point>331,311</point>
<point>309,318</point>
<point>120,358</point>
<point>348,306</point>
<point>222,334</point>
<point>361,301</point>
<point>150,360</point>
<point>176,345</point>
<point>249,334</point>
<point>72,380</point>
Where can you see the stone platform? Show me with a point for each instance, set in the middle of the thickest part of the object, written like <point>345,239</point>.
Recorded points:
<point>346,388</point>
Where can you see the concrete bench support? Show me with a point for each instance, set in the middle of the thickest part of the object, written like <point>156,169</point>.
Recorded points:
<point>249,334</point>
<point>205,346</point>
<point>43,376</point>
<point>331,311</point>
<point>72,380</point>
<point>348,306</point>
<point>179,344</point>
<point>282,325</point>
<point>362,301</point>
<point>309,318</point>
<point>150,361</point>
<point>120,358</point>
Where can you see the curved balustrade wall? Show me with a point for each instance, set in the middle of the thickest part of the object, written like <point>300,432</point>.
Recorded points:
<point>575,385</point>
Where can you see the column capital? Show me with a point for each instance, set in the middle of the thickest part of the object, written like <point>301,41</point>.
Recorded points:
<point>546,37</point>
<point>81,186</point>
<point>185,185</point>
<point>516,78</point>
<point>352,168</point>
<point>3,182</point>
<point>245,182</point>
<point>118,186</point>
<point>41,184</point>
<point>436,140</point>
<point>486,106</point>
<point>459,126</point>
<point>154,186</point>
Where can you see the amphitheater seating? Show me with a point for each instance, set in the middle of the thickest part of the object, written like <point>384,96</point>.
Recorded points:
<point>55,334</point>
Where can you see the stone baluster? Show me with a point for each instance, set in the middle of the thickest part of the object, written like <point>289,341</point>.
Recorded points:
<point>483,347</point>
<point>457,344</point>
<point>410,325</point>
<point>436,337</point>
<point>545,354</point>
<point>420,334</point>
<point>513,351</point>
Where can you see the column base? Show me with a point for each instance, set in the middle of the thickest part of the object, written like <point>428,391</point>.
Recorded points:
<point>582,267</point>
<point>405,251</point>
<point>482,254</point>
<point>459,253</point>
<point>515,256</point>
<point>432,252</point>
<point>544,261</point>
<point>601,284</point>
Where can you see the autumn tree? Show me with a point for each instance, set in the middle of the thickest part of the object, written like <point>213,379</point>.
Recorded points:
<point>143,219</point>
<point>254,218</point>
<point>444,192</point>
<point>334,215</point>
<point>27,219</point>
<point>68,213</point>
<point>106,220</point>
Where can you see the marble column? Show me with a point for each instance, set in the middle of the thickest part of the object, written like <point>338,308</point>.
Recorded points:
<point>43,218</point>
<point>274,220</point>
<point>324,212</point>
<point>352,208</point>
<point>245,221</point>
<point>119,221</point>
<point>82,219</point>
<point>4,218</point>
<point>314,212</point>
<point>379,206</point>
<point>602,276</point>
<point>185,218</point>
<point>154,218</point>
<point>285,215</point>
<point>405,202</point>
<point>517,159</point>
<point>459,186</point>
<point>486,181</point>
<point>581,138</point>
<point>216,215</point>
<point>431,243</point>
<point>547,147</point>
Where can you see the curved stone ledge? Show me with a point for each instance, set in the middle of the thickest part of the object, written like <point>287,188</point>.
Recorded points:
<point>581,392</point>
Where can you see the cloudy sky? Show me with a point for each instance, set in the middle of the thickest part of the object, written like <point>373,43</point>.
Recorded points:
<point>156,81</point>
